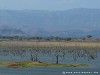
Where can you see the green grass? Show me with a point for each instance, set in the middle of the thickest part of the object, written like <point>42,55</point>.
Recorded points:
<point>36,64</point>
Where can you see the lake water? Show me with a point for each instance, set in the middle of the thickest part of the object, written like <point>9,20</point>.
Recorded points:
<point>91,57</point>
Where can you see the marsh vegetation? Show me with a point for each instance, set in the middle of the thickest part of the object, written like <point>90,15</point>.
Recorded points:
<point>49,45</point>
<point>49,52</point>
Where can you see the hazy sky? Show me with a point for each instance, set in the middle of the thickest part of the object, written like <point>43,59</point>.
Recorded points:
<point>48,4</point>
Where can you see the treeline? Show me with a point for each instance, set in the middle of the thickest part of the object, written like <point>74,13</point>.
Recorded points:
<point>51,38</point>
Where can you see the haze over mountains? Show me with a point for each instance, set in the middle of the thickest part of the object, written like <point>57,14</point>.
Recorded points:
<point>70,23</point>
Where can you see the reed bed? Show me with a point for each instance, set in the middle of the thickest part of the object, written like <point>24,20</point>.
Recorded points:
<point>29,45</point>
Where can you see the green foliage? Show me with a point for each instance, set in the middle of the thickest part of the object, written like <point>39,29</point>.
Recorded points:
<point>32,64</point>
<point>89,36</point>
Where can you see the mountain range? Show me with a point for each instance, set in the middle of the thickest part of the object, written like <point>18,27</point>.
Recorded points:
<point>78,22</point>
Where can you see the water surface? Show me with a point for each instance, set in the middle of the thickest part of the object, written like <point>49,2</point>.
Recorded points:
<point>91,57</point>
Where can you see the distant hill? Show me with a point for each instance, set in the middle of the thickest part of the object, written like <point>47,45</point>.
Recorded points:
<point>70,23</point>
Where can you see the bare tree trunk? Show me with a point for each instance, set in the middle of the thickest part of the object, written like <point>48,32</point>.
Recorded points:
<point>57,59</point>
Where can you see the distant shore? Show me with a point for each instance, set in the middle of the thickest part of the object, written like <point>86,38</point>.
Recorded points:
<point>49,45</point>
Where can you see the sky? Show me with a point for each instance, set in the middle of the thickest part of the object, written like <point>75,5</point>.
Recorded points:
<point>48,4</point>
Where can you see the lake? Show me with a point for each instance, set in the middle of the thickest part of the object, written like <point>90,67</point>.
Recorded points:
<point>90,57</point>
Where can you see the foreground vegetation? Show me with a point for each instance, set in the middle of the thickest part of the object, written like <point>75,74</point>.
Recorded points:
<point>37,64</point>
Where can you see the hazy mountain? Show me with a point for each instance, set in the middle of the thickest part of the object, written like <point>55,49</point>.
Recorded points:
<point>71,23</point>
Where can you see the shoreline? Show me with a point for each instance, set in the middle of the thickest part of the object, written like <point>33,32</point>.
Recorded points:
<point>37,64</point>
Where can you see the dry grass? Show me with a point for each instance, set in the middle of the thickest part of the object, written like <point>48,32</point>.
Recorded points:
<point>51,45</point>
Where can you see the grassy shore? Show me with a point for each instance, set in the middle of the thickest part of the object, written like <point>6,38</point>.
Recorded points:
<point>49,45</point>
<point>37,64</point>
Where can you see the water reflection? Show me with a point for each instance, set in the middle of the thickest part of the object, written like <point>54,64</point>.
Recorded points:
<point>49,56</point>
